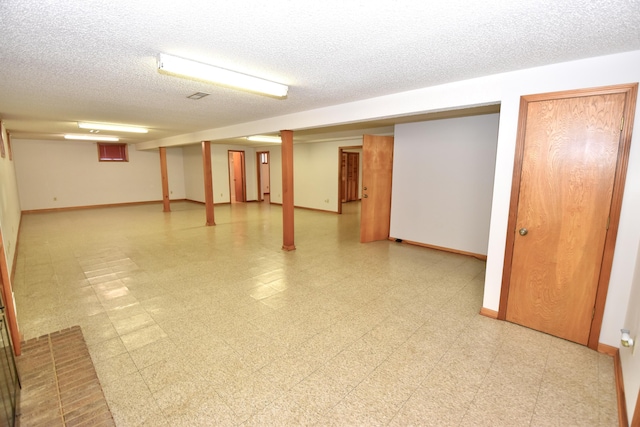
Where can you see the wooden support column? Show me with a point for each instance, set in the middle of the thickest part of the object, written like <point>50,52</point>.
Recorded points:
<point>287,190</point>
<point>165,180</point>
<point>208,181</point>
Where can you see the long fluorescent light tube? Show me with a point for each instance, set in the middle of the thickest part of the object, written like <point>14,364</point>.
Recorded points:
<point>265,138</point>
<point>198,70</point>
<point>115,128</point>
<point>92,137</point>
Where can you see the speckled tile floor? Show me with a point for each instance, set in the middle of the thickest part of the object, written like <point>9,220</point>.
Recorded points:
<point>190,325</point>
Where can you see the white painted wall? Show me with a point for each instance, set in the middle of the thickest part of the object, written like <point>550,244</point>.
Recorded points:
<point>275,158</point>
<point>315,176</point>
<point>629,357</point>
<point>67,174</point>
<point>10,213</point>
<point>443,182</point>
<point>315,173</point>
<point>175,170</point>
<point>9,205</point>
<point>194,178</point>
<point>193,173</point>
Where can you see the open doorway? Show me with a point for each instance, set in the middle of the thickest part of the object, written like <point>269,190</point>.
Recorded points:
<point>349,175</point>
<point>237,177</point>
<point>264,176</point>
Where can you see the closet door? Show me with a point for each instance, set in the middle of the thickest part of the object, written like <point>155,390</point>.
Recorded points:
<point>561,236</point>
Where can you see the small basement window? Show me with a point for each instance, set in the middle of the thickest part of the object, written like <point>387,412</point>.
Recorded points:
<point>113,152</point>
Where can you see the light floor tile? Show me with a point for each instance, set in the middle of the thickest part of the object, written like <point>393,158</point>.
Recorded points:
<point>162,349</point>
<point>131,402</point>
<point>130,324</point>
<point>285,413</point>
<point>113,368</point>
<point>162,374</point>
<point>191,325</point>
<point>106,349</point>
<point>565,408</point>
<point>142,337</point>
<point>360,411</point>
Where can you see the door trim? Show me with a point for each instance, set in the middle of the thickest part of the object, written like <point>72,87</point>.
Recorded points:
<point>259,176</point>
<point>635,420</point>
<point>9,302</point>
<point>631,91</point>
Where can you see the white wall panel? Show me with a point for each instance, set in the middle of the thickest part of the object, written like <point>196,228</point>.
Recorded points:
<point>65,174</point>
<point>443,182</point>
<point>193,173</point>
<point>9,205</point>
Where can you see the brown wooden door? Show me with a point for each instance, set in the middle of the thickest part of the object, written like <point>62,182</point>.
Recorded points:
<point>238,166</point>
<point>237,176</point>
<point>377,171</point>
<point>635,420</point>
<point>565,193</point>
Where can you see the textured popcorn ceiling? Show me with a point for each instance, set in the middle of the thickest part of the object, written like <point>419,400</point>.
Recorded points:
<point>95,60</point>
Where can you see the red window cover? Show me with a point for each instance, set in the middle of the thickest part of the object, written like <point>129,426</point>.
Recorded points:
<point>112,152</point>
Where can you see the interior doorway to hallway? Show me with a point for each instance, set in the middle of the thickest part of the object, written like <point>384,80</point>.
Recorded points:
<point>264,175</point>
<point>349,174</point>
<point>350,177</point>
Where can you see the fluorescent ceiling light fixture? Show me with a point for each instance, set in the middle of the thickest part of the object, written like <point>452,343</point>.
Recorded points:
<point>91,137</point>
<point>265,138</point>
<point>198,70</point>
<point>115,128</point>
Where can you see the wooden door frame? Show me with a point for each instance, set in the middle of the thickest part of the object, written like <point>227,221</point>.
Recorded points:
<point>630,90</point>
<point>342,150</point>
<point>244,175</point>
<point>9,302</point>
<point>635,417</point>
<point>259,173</point>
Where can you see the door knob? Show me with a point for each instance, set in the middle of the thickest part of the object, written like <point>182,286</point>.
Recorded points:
<point>365,196</point>
<point>523,231</point>
<point>365,188</point>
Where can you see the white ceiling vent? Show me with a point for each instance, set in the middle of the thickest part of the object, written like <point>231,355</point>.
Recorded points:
<point>198,95</point>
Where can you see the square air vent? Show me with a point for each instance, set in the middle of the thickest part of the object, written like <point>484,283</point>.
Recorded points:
<point>198,95</point>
